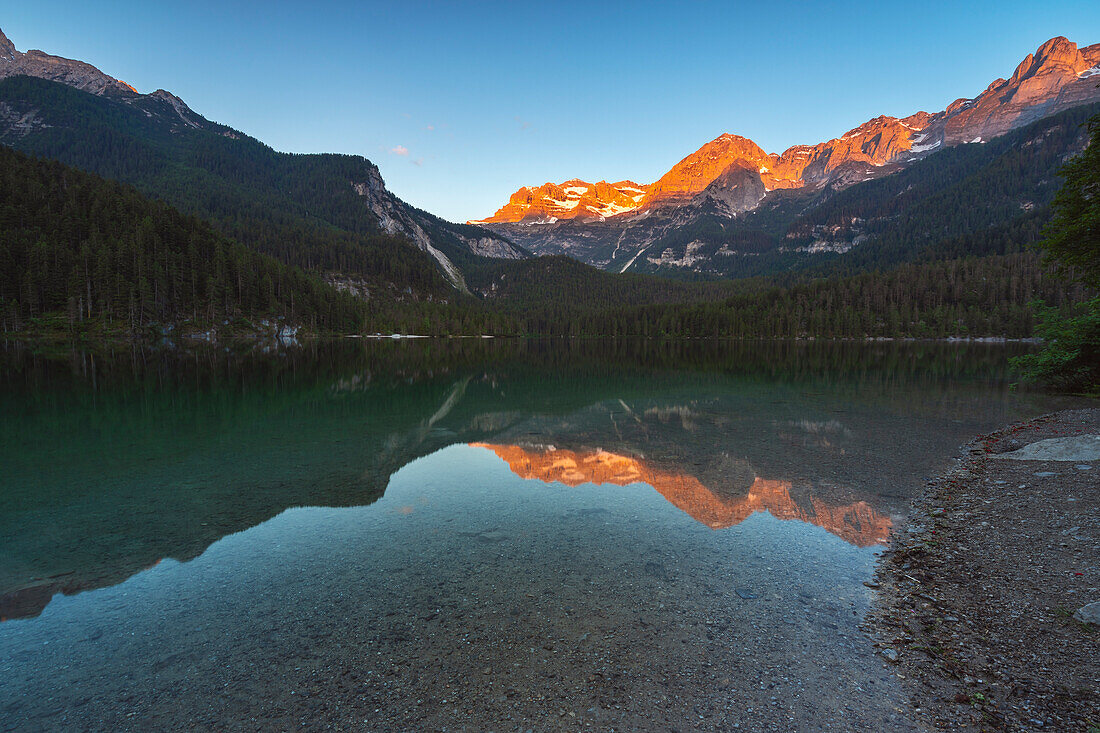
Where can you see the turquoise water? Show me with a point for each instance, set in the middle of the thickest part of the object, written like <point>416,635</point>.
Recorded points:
<point>466,536</point>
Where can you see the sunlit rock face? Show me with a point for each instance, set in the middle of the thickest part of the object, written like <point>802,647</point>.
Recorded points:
<point>572,200</point>
<point>876,142</point>
<point>695,172</point>
<point>55,68</point>
<point>1056,77</point>
<point>857,523</point>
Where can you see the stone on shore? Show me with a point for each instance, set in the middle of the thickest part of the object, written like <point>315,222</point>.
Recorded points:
<point>1075,448</point>
<point>1089,614</point>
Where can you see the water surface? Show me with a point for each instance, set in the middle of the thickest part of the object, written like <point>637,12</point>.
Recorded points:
<point>466,536</point>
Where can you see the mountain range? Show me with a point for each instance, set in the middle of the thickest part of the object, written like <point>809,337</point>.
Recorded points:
<point>883,220</point>
<point>616,226</point>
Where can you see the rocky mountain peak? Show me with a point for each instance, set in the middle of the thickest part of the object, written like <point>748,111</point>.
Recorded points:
<point>738,188</point>
<point>1056,56</point>
<point>570,200</point>
<point>56,68</point>
<point>1057,76</point>
<point>7,48</point>
<point>695,172</point>
<point>732,145</point>
<point>1053,78</point>
<point>1058,50</point>
<point>1023,69</point>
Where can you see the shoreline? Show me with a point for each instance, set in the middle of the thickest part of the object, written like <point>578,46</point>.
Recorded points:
<point>205,337</point>
<point>977,594</point>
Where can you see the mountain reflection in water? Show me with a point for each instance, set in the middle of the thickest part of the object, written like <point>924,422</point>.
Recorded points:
<point>856,523</point>
<point>337,554</point>
<point>113,461</point>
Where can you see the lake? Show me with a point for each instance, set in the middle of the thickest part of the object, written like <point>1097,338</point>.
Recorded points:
<point>467,534</point>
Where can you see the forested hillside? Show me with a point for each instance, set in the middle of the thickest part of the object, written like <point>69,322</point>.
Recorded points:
<point>560,280</point>
<point>970,200</point>
<point>87,250</point>
<point>936,249</point>
<point>95,253</point>
<point>979,199</point>
<point>967,297</point>
<point>98,253</point>
<point>328,213</point>
<point>971,297</point>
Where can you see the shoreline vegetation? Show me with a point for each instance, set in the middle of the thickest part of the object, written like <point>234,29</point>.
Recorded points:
<point>748,316</point>
<point>668,321</point>
<point>248,334</point>
<point>979,595</point>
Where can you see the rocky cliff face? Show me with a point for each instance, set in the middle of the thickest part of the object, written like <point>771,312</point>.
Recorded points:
<point>695,172</point>
<point>396,217</point>
<point>1057,76</point>
<point>55,68</point>
<point>572,200</point>
<point>738,188</point>
<point>86,78</point>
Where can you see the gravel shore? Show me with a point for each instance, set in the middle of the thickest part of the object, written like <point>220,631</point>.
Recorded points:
<point>980,596</point>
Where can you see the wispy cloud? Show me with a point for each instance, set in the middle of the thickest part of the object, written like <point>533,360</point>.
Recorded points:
<point>429,128</point>
<point>400,150</point>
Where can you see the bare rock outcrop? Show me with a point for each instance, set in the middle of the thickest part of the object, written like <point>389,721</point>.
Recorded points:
<point>695,172</point>
<point>738,188</point>
<point>1059,75</point>
<point>56,68</point>
<point>572,200</point>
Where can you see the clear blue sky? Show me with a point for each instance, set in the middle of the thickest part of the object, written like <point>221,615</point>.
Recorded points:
<point>462,103</point>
